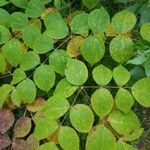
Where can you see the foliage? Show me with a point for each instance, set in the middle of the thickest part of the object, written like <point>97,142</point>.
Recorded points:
<point>69,73</point>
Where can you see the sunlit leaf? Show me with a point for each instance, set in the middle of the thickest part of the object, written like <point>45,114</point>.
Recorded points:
<point>48,146</point>
<point>102,102</point>
<point>68,138</point>
<point>144,31</point>
<point>81,117</point>
<point>100,138</point>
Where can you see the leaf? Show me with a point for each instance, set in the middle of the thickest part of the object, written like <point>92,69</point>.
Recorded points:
<point>123,123</point>
<point>121,145</point>
<point>58,60</point>
<point>3,2</point>
<point>76,72</point>
<point>44,127</point>
<point>6,121</point>
<point>92,49</point>
<point>98,20</point>
<point>102,75</point>
<point>29,61</point>
<point>123,21</point>
<point>134,135</point>
<point>4,141</point>
<point>20,3</point>
<point>19,144</point>
<point>44,72</point>
<point>100,138</point>
<point>64,88</point>
<point>121,48</point>
<point>140,91</point>
<point>46,1</point>
<point>147,67</point>
<point>32,142</point>
<point>56,28</point>
<point>5,90</point>
<point>34,8</point>
<point>5,34</point>
<point>124,100</point>
<point>102,102</point>
<point>90,4</point>
<point>78,120</point>
<point>4,15</point>
<point>15,97</point>
<point>2,64</point>
<point>68,138</point>
<point>43,44</point>
<point>74,45</point>
<point>26,91</point>
<point>79,24</point>
<point>12,51</point>
<point>18,75</point>
<point>22,127</point>
<point>144,31</point>
<point>36,106</point>
<point>48,146</point>
<point>18,20</point>
<point>121,75</point>
<point>29,34</point>
<point>55,107</point>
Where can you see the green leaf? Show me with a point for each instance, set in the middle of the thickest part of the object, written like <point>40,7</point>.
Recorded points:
<point>123,123</point>
<point>134,135</point>
<point>3,2</point>
<point>18,21</point>
<point>102,75</point>
<point>102,102</point>
<point>100,138</point>
<point>43,44</point>
<point>2,64</point>
<point>68,138</point>
<point>147,67</point>
<point>56,28</point>
<point>58,59</point>
<point>64,88</point>
<point>55,107</point>
<point>121,75</point>
<point>79,24</point>
<point>22,127</point>
<point>47,146</point>
<point>12,51</point>
<point>90,4</point>
<point>44,77</point>
<point>29,60</point>
<point>92,49</point>
<point>15,97</point>
<point>5,90</point>
<point>18,75</point>
<point>26,91</point>
<point>121,48</point>
<point>121,145</point>
<point>76,72</point>
<point>4,34</point>
<point>123,21</point>
<point>99,20</point>
<point>140,91</point>
<point>20,3</point>
<point>81,117</point>
<point>144,31</point>
<point>34,8</point>
<point>44,128</point>
<point>124,100</point>
<point>29,35</point>
<point>4,15</point>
